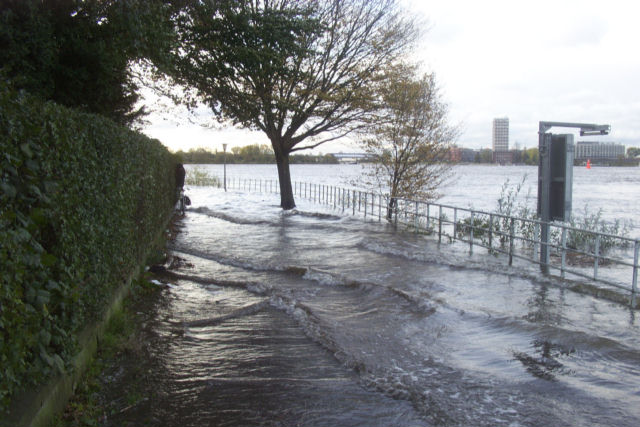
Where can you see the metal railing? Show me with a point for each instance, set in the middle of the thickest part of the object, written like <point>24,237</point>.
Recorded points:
<point>601,257</point>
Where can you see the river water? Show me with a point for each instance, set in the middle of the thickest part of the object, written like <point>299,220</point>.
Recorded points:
<point>613,191</point>
<point>315,318</point>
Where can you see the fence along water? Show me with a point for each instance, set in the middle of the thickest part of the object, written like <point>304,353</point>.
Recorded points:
<point>603,258</point>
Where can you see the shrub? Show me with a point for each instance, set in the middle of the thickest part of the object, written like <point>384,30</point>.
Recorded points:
<point>201,177</point>
<point>80,199</point>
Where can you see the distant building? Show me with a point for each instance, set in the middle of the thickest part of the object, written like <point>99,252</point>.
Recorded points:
<point>598,151</point>
<point>454,155</point>
<point>458,154</point>
<point>468,155</point>
<point>501,140</point>
<point>352,158</point>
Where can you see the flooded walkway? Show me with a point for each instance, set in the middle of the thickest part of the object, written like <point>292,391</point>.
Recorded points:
<point>242,363</point>
<point>314,318</point>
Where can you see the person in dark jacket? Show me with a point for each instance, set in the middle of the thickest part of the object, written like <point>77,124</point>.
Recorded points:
<point>180,174</point>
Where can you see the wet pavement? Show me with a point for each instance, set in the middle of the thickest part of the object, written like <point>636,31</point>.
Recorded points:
<point>244,363</point>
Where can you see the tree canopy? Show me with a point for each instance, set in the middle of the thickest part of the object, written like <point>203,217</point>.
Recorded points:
<point>301,71</point>
<point>79,53</point>
<point>411,138</point>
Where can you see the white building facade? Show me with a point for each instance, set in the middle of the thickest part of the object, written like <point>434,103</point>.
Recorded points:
<point>594,151</point>
<point>501,140</point>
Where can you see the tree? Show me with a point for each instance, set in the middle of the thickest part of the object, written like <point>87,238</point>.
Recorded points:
<point>79,53</point>
<point>410,137</point>
<point>299,71</point>
<point>633,152</point>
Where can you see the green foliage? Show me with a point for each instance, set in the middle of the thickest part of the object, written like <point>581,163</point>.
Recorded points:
<point>591,221</point>
<point>510,205</point>
<point>633,152</point>
<point>410,138</point>
<point>80,199</point>
<point>79,53</point>
<point>302,71</point>
<point>200,177</point>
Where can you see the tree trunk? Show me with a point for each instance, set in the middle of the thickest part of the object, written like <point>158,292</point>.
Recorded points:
<point>286,191</point>
<point>393,204</point>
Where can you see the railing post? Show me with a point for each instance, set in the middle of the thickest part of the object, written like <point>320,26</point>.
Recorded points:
<point>440,224</point>
<point>373,204</point>
<point>490,232</point>
<point>545,231</point>
<point>379,207</point>
<point>428,218</point>
<point>597,257</point>
<point>365,205</point>
<point>536,238</point>
<point>471,235</point>
<point>634,281</point>
<point>511,236</point>
<point>455,222</point>
<point>416,224</point>
<point>564,251</point>
<point>353,204</point>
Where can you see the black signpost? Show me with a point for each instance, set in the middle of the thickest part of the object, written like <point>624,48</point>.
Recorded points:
<point>555,177</point>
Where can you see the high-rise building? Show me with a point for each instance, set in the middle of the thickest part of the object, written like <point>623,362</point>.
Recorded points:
<point>501,140</point>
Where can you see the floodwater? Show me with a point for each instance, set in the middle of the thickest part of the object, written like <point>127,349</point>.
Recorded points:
<point>612,191</point>
<point>314,318</point>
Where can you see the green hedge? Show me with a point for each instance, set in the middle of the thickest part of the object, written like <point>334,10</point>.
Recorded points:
<point>81,198</point>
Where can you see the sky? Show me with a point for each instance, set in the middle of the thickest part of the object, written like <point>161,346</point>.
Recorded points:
<point>530,61</point>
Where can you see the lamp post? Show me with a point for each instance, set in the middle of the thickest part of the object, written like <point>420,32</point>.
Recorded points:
<point>224,148</point>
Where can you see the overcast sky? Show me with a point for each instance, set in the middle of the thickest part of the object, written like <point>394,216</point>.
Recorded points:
<point>569,61</point>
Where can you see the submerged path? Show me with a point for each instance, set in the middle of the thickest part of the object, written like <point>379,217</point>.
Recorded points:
<point>316,319</point>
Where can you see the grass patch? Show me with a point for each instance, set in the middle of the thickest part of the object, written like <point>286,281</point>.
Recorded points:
<point>88,407</point>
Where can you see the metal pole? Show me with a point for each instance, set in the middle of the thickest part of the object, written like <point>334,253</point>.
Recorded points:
<point>224,149</point>
<point>490,232</point>
<point>536,238</point>
<point>455,222</point>
<point>544,187</point>
<point>597,257</point>
<point>634,282</point>
<point>353,205</point>
<point>440,224</point>
<point>471,235</point>
<point>564,251</point>
<point>365,205</point>
<point>511,233</point>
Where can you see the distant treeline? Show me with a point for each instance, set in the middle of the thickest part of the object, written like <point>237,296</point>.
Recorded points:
<point>259,154</point>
